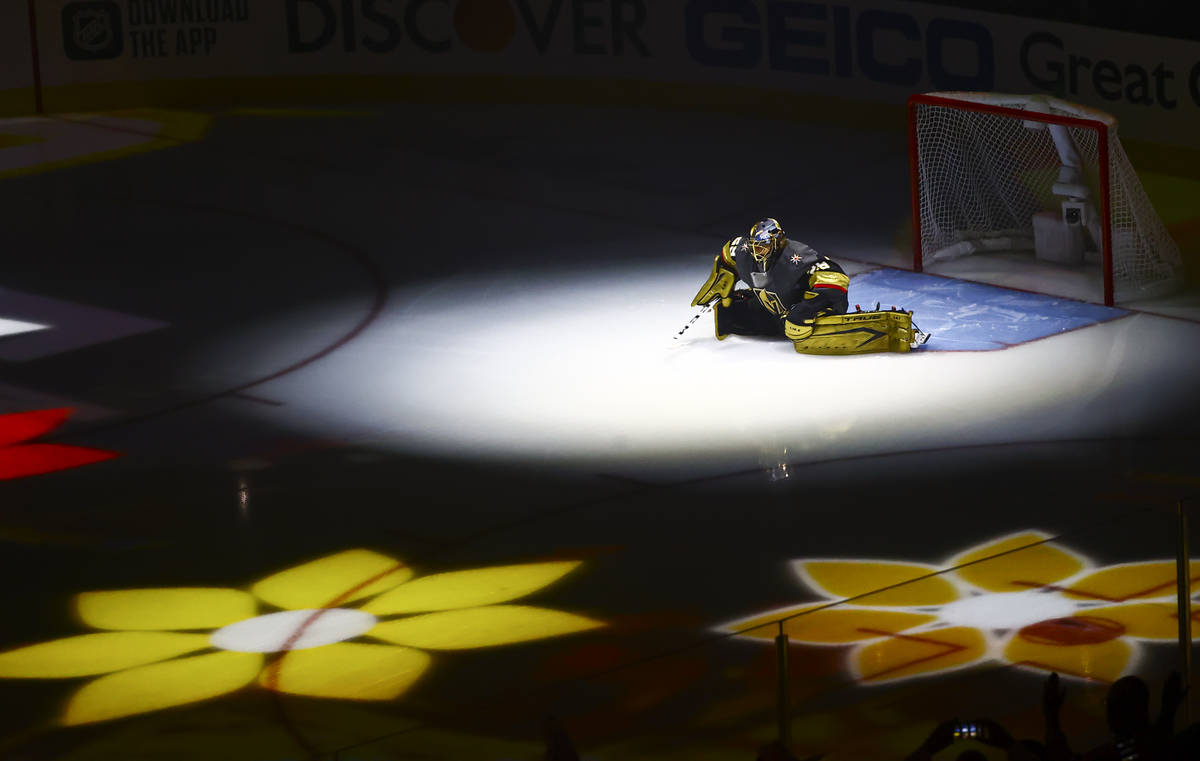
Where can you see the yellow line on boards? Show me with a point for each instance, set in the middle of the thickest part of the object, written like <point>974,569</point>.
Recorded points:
<point>170,128</point>
<point>298,113</point>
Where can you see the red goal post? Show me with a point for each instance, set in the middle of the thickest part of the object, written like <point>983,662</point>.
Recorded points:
<point>1001,172</point>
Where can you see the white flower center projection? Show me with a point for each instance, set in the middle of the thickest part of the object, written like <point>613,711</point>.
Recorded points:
<point>1007,611</point>
<point>293,630</point>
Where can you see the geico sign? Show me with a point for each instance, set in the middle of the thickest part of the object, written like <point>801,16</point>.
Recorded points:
<point>824,39</point>
<point>585,27</point>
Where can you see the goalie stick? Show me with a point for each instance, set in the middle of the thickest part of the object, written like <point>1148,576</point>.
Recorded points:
<point>707,308</point>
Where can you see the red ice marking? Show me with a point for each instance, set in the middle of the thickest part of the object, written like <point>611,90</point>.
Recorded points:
<point>35,459</point>
<point>19,460</point>
<point>23,426</point>
<point>271,675</point>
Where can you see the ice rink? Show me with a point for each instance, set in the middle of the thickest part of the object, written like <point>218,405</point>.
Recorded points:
<point>453,337</point>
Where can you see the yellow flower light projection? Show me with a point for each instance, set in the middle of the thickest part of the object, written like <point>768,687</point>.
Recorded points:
<point>1019,599</point>
<point>159,648</point>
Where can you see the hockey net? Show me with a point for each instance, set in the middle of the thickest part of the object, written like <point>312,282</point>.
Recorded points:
<point>994,172</point>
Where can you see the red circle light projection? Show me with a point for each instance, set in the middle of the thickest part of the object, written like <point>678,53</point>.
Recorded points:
<point>1073,631</point>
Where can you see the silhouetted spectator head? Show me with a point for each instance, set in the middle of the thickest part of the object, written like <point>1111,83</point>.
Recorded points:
<point>775,751</point>
<point>970,755</point>
<point>1128,706</point>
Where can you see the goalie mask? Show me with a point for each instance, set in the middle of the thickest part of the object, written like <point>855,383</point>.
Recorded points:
<point>766,240</point>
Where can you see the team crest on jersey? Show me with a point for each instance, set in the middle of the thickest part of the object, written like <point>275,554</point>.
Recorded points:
<point>771,301</point>
<point>795,258</point>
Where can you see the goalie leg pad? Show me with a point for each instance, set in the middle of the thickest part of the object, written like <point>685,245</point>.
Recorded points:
<point>857,333</point>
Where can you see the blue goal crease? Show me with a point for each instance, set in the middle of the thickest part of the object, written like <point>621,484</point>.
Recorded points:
<point>965,316</point>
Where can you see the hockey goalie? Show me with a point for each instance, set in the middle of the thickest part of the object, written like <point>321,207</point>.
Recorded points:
<point>797,293</point>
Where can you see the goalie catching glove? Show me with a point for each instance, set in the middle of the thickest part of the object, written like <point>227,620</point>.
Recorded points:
<point>723,277</point>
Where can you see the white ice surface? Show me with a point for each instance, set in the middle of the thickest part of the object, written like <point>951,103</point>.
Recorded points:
<point>577,369</point>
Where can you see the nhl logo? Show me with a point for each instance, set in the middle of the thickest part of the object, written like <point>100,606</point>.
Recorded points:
<point>92,30</point>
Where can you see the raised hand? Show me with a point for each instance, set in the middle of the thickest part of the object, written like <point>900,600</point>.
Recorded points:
<point>1053,697</point>
<point>1173,694</point>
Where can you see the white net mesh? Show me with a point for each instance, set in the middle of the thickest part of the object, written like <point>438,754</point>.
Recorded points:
<point>983,176</point>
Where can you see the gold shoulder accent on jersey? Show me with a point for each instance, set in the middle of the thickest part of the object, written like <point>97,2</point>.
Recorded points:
<point>826,277</point>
